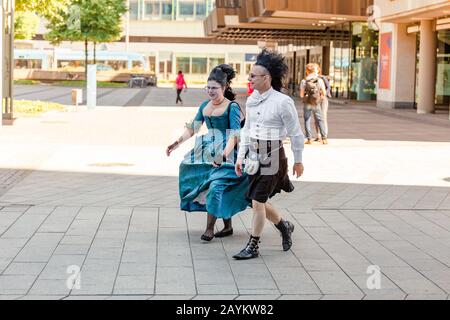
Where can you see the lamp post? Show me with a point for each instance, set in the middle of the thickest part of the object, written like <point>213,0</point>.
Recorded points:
<point>7,57</point>
<point>127,27</point>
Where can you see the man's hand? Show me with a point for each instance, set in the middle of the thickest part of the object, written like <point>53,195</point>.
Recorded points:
<point>297,169</point>
<point>238,167</point>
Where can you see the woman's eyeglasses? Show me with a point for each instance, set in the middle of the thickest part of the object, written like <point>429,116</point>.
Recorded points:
<point>211,88</point>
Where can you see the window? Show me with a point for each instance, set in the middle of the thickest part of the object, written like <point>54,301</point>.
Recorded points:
<point>27,64</point>
<point>183,64</point>
<point>236,67</point>
<point>166,10</point>
<point>152,9</point>
<point>199,65</point>
<point>186,9</point>
<point>215,61</point>
<point>134,10</point>
<point>200,9</point>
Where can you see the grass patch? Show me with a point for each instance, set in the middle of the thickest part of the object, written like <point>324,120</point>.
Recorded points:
<point>74,83</point>
<point>33,108</point>
<point>27,82</point>
<point>82,84</point>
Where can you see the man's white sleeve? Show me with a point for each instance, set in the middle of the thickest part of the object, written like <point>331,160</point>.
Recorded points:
<point>289,117</point>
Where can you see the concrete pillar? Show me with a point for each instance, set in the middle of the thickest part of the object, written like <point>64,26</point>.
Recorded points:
<point>400,93</point>
<point>326,60</point>
<point>427,67</point>
<point>1,62</point>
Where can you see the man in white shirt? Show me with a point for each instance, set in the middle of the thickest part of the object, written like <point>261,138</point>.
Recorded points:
<point>270,117</point>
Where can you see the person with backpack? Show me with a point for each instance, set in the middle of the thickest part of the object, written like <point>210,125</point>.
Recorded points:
<point>207,180</point>
<point>313,91</point>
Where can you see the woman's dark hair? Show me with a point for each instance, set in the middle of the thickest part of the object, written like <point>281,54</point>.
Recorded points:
<point>223,74</point>
<point>276,65</point>
<point>180,72</point>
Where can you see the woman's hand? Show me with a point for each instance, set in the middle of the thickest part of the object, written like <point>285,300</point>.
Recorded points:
<point>172,147</point>
<point>219,159</point>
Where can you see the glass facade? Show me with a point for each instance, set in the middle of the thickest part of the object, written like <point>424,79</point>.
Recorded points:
<point>170,9</point>
<point>340,53</point>
<point>443,70</point>
<point>199,65</point>
<point>349,59</point>
<point>184,64</point>
<point>364,59</point>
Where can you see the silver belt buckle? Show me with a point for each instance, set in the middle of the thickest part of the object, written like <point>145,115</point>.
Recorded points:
<point>255,145</point>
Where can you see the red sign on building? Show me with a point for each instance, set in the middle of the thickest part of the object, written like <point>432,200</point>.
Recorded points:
<point>385,60</point>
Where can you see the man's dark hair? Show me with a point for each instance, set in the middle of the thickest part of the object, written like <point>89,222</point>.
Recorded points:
<point>276,66</point>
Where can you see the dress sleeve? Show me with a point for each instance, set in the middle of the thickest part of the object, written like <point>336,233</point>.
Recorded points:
<point>235,119</point>
<point>197,122</point>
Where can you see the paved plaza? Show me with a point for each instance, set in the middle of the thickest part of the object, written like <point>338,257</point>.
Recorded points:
<point>91,194</point>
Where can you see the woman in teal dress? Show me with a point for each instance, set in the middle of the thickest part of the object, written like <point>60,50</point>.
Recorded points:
<point>207,180</point>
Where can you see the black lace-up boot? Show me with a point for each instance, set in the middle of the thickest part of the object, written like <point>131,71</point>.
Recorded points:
<point>286,228</point>
<point>250,251</point>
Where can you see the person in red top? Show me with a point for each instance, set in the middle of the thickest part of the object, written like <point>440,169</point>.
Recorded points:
<point>249,89</point>
<point>180,82</point>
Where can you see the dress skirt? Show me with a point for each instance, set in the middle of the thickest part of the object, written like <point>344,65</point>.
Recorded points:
<point>202,187</point>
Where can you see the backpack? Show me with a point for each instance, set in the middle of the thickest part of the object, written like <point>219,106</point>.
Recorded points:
<point>313,94</point>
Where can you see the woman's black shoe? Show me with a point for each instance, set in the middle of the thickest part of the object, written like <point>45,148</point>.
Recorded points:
<point>204,237</point>
<point>223,233</point>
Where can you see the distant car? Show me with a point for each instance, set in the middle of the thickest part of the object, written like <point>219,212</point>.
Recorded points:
<point>104,67</point>
<point>142,80</point>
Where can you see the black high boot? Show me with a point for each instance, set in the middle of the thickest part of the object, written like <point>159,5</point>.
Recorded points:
<point>250,251</point>
<point>286,228</point>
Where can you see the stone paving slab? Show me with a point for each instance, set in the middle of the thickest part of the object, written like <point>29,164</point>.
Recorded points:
<point>105,203</point>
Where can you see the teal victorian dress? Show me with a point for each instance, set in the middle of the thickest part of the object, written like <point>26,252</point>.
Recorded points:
<point>218,191</point>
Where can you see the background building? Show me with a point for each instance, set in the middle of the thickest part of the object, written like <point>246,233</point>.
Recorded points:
<point>415,54</point>
<point>168,34</point>
<point>333,33</point>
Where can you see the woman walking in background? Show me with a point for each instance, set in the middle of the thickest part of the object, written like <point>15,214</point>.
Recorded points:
<point>179,83</point>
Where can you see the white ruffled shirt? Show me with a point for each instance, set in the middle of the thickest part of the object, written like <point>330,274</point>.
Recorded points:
<point>271,116</point>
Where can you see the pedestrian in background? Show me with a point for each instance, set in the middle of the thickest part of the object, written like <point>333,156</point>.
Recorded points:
<point>180,83</point>
<point>312,91</point>
<point>324,106</point>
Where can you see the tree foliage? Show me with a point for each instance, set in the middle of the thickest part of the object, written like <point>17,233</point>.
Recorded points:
<point>96,21</point>
<point>44,8</point>
<point>92,20</point>
<point>25,25</point>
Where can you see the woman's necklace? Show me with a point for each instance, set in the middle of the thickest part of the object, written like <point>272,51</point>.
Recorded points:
<point>217,104</point>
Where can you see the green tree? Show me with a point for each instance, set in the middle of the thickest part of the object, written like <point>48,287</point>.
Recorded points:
<point>96,21</point>
<point>26,18</point>
<point>25,25</point>
<point>44,8</point>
